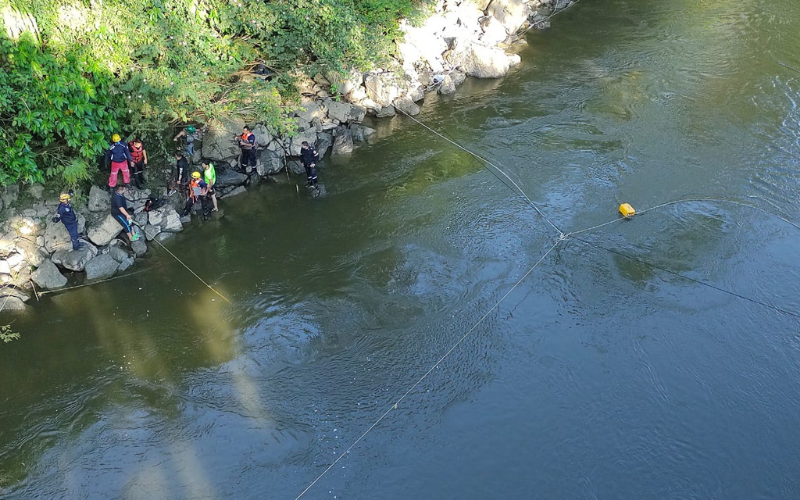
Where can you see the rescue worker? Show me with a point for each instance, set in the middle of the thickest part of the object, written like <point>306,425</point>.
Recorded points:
<point>139,155</point>
<point>119,210</point>
<point>66,214</point>
<point>210,177</point>
<point>181,172</point>
<point>247,142</point>
<point>188,133</point>
<point>197,192</point>
<point>120,157</point>
<point>309,158</point>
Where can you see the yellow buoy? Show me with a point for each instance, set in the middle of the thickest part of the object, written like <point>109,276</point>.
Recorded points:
<point>627,210</point>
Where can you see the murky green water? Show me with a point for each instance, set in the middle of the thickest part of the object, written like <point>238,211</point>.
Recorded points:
<point>598,377</point>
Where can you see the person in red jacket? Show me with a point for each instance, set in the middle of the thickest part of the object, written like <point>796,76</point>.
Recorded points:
<point>139,155</point>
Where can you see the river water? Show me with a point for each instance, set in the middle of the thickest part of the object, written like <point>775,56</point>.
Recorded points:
<point>597,377</point>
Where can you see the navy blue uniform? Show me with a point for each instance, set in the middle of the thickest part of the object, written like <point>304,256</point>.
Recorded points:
<point>70,219</point>
<point>309,158</point>
<point>118,201</point>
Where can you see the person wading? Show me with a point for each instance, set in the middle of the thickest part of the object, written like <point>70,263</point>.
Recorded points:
<point>69,218</point>
<point>309,157</point>
<point>247,141</point>
<point>120,157</point>
<point>139,155</point>
<point>119,210</point>
<point>210,177</point>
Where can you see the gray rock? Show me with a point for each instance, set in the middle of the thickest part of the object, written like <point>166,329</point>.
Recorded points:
<point>165,236</point>
<point>13,291</point>
<point>118,253</point>
<point>172,221</point>
<point>447,86</point>
<point>324,143</point>
<point>185,219</point>
<point>9,195</point>
<point>483,61</point>
<point>99,200</point>
<point>309,136</point>
<point>30,251</point>
<point>407,106</point>
<point>75,260</point>
<point>218,142</point>
<point>102,233</point>
<point>417,93</point>
<point>310,110</point>
<point>151,231</point>
<point>36,191</point>
<point>344,112</point>
<point>102,266</point>
<point>56,236</point>
<point>271,163</point>
<point>141,218</point>
<point>386,112</point>
<point>458,77</point>
<point>155,217</point>
<point>14,260</point>
<point>295,167</point>
<point>11,303</point>
<point>263,136</point>
<point>383,88</point>
<point>139,247</point>
<point>230,178</point>
<point>239,190</point>
<point>47,276</point>
<point>136,195</point>
<point>5,268</point>
<point>125,264</point>
<point>343,144</point>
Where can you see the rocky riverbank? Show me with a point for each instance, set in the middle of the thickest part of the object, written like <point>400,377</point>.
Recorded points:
<point>462,39</point>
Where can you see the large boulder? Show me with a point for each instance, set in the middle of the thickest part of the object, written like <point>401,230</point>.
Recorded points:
<point>406,106</point>
<point>30,251</point>
<point>345,83</point>
<point>101,267</point>
<point>48,276</point>
<point>511,14</point>
<point>56,236</point>
<point>344,112</point>
<point>236,192</point>
<point>271,163</point>
<point>99,200</point>
<point>386,112</point>
<point>11,303</point>
<point>310,110</point>
<point>172,221</point>
<point>447,86</point>
<point>74,260</point>
<point>482,61</point>
<point>263,135</point>
<point>324,143</point>
<point>139,247</point>
<point>229,177</point>
<point>218,141</point>
<point>383,88</point>
<point>106,230</point>
<point>118,253</point>
<point>151,231</point>
<point>343,144</point>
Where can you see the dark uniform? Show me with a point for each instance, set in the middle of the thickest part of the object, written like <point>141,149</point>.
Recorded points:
<point>309,157</point>
<point>70,220</point>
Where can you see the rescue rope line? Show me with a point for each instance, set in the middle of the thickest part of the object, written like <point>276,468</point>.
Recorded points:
<point>194,273</point>
<point>430,370</point>
<point>45,292</point>
<point>688,278</point>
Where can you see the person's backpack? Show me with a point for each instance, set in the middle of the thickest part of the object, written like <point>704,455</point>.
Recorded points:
<point>153,204</point>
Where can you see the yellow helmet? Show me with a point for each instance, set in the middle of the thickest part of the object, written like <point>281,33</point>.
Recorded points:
<point>116,138</point>
<point>195,175</point>
<point>64,198</point>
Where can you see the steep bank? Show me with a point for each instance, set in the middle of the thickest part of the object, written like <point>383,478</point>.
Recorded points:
<point>456,41</point>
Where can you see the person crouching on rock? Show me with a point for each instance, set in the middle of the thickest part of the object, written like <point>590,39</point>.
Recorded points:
<point>69,218</point>
<point>120,157</point>
<point>198,189</point>
<point>119,210</point>
<point>309,157</point>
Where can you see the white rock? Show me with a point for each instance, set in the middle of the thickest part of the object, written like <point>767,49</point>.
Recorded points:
<point>103,232</point>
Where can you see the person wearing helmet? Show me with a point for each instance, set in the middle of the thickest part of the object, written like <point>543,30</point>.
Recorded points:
<point>119,156</point>
<point>188,134</point>
<point>69,218</point>
<point>197,192</point>
<point>247,141</point>
<point>139,155</point>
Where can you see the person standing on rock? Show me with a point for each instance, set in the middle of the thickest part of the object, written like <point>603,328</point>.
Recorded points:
<point>188,133</point>
<point>309,157</point>
<point>69,218</point>
<point>119,210</point>
<point>247,142</point>
<point>210,177</point>
<point>120,157</point>
<point>182,172</point>
<point>139,155</point>
<point>198,189</point>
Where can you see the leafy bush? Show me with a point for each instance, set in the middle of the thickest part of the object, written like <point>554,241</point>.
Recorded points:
<point>89,70</point>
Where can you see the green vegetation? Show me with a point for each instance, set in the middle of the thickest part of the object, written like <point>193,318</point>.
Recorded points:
<point>7,335</point>
<point>74,72</point>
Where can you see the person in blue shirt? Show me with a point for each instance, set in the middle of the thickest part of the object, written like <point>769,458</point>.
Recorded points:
<point>66,214</point>
<point>120,157</point>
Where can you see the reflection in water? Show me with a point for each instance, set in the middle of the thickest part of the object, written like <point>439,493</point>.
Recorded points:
<point>595,371</point>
